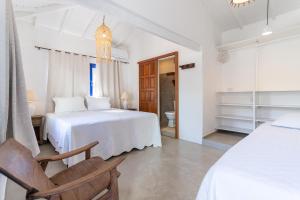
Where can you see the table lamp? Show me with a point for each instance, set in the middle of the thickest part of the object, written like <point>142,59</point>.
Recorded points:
<point>31,97</point>
<point>124,99</point>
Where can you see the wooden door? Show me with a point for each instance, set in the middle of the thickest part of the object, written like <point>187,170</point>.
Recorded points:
<point>148,86</point>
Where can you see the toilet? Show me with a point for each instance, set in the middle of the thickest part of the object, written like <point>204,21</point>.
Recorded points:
<point>171,117</point>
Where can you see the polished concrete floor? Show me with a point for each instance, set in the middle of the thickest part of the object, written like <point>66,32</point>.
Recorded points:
<point>168,131</point>
<point>226,137</point>
<point>174,171</point>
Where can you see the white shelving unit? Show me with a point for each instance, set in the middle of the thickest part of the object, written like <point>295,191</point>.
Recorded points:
<point>243,111</point>
<point>280,106</point>
<point>242,118</point>
<point>235,105</point>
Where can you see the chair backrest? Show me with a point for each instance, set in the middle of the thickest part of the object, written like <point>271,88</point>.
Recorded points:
<point>18,164</point>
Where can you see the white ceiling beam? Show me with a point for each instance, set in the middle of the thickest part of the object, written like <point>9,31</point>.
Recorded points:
<point>42,10</point>
<point>125,15</point>
<point>89,25</point>
<point>288,33</point>
<point>63,21</point>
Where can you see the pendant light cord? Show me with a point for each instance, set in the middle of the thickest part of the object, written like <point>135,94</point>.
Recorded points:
<point>268,5</point>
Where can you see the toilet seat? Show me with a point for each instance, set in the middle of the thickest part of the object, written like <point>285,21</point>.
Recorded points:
<point>171,118</point>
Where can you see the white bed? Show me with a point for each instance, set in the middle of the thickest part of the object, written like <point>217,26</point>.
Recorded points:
<point>117,131</point>
<point>263,166</point>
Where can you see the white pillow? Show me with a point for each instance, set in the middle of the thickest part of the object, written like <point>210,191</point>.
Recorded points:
<point>69,104</point>
<point>291,120</point>
<point>98,103</point>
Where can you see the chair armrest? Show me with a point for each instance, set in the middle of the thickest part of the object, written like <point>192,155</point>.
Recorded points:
<point>87,149</point>
<point>107,167</point>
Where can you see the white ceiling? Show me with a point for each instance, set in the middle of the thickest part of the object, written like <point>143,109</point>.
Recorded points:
<point>228,17</point>
<point>66,17</point>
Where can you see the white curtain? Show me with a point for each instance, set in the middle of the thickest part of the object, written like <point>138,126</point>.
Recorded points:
<point>15,120</point>
<point>107,83</point>
<point>68,75</point>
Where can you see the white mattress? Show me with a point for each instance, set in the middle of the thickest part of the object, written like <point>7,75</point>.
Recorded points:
<point>116,130</point>
<point>263,166</point>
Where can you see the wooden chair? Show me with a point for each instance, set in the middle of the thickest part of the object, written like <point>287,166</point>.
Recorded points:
<point>83,181</point>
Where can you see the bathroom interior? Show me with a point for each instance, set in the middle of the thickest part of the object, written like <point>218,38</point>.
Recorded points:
<point>167,96</point>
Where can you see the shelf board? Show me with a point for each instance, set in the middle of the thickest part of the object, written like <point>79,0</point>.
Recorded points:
<point>235,105</point>
<point>235,129</point>
<point>259,91</point>
<point>269,91</point>
<point>259,105</point>
<point>264,119</point>
<point>242,118</point>
<point>278,106</point>
<point>234,91</point>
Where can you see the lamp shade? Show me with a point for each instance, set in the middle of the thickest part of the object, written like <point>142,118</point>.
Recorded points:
<point>125,96</point>
<point>31,96</point>
<point>103,43</point>
<point>238,3</point>
<point>267,31</point>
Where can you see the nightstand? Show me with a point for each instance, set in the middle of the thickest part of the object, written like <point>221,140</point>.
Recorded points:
<point>38,126</point>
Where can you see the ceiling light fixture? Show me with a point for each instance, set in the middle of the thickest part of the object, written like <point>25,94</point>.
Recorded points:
<point>238,3</point>
<point>267,30</point>
<point>103,43</point>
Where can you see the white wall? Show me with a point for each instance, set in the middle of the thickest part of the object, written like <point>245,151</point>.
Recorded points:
<point>190,19</point>
<point>35,61</point>
<point>238,73</point>
<point>277,67</point>
<point>3,72</point>
<point>35,64</point>
<point>211,77</point>
<point>146,46</point>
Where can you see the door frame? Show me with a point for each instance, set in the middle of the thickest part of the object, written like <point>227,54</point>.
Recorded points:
<point>176,60</point>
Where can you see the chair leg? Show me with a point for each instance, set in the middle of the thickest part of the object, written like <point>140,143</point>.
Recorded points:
<point>54,197</point>
<point>114,185</point>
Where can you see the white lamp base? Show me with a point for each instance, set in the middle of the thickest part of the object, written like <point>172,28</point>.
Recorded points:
<point>125,105</point>
<point>32,108</point>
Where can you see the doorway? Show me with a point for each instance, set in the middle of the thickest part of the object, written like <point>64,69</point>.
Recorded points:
<point>154,97</point>
<point>167,102</point>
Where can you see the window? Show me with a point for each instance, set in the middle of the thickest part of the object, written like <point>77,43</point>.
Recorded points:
<point>92,69</point>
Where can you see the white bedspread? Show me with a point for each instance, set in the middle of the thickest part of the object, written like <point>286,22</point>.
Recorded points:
<point>263,166</point>
<point>116,130</point>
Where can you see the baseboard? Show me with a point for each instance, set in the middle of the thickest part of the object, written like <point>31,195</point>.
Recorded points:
<point>191,140</point>
<point>209,132</point>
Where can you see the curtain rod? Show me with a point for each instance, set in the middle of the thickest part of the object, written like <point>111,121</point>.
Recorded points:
<point>68,52</point>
